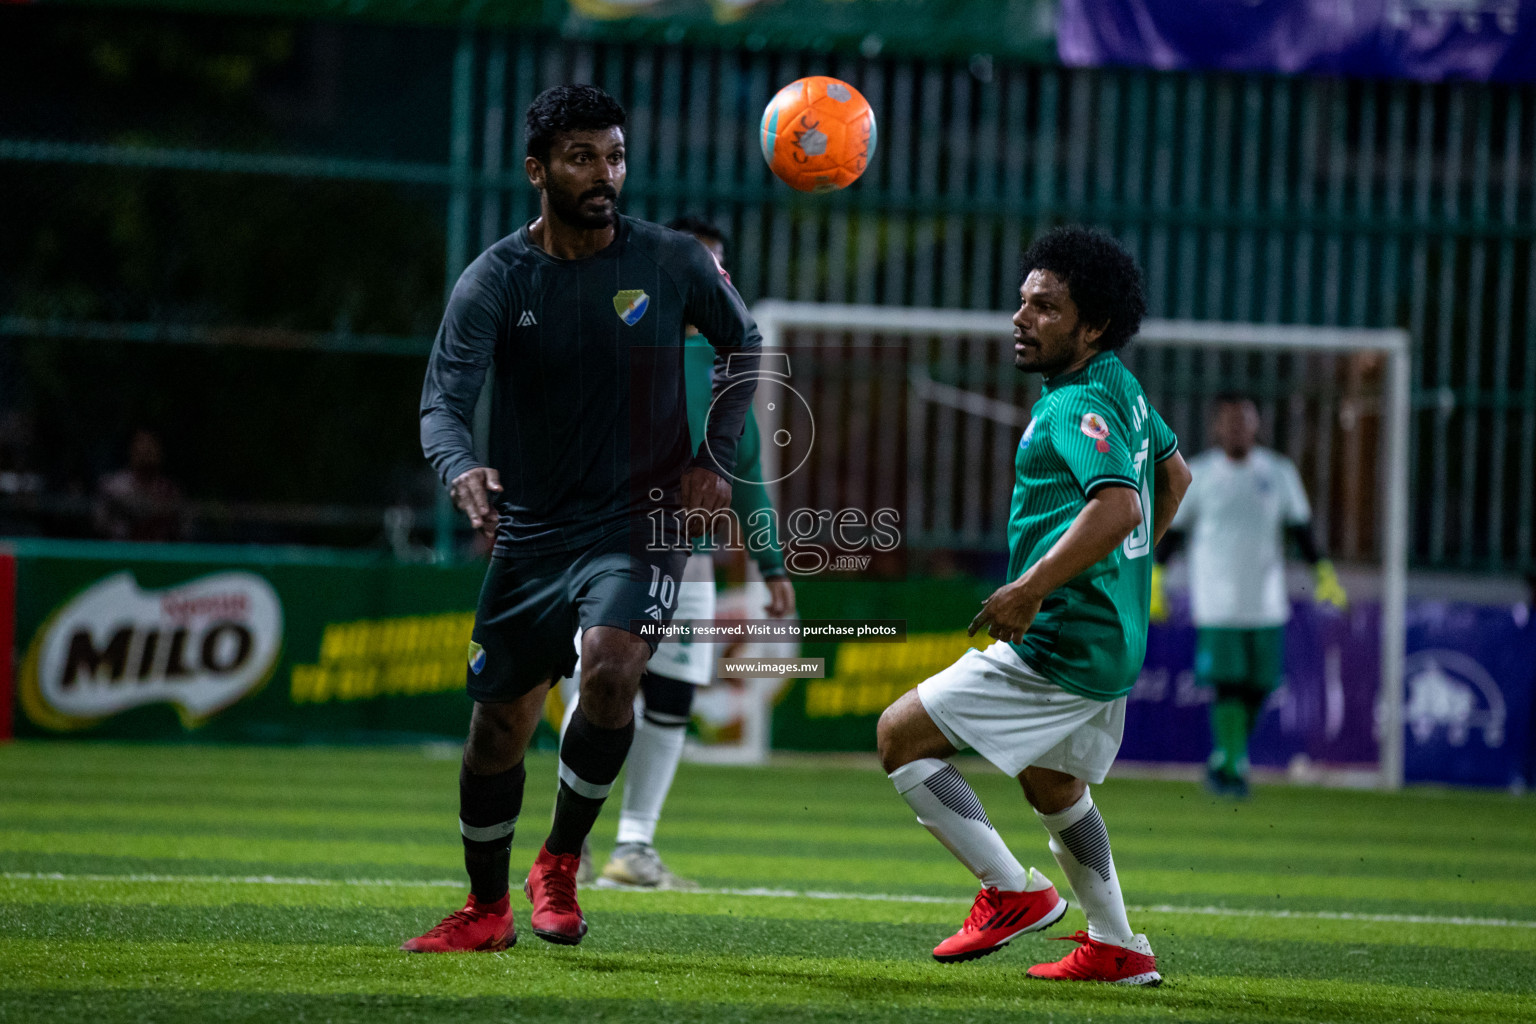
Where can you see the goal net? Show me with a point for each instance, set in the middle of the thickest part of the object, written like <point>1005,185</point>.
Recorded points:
<point>919,412</point>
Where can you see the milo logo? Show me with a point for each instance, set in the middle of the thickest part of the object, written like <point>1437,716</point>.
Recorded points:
<point>199,646</point>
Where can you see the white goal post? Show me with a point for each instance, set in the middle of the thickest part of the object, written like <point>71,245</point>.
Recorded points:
<point>783,323</point>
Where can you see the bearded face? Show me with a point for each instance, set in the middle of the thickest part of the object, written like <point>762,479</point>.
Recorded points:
<point>584,176</point>
<point>593,208</point>
<point>1048,335</point>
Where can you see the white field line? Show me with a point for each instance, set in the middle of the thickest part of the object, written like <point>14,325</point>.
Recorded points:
<point>1336,915</point>
<point>800,894</point>
<point>389,883</point>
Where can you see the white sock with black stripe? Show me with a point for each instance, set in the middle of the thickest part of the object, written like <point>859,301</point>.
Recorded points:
<point>1081,845</point>
<point>946,805</point>
<point>652,765</point>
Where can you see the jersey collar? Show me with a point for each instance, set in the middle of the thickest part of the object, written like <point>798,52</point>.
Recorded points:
<point>1063,379</point>
<point>620,233</point>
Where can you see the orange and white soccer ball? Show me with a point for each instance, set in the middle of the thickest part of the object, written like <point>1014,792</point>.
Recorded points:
<point>818,134</point>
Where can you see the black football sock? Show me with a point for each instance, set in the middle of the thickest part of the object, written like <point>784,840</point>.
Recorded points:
<point>488,810</point>
<point>590,759</point>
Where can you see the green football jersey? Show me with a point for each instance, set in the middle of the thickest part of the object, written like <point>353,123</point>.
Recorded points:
<point>749,497</point>
<point>1090,429</point>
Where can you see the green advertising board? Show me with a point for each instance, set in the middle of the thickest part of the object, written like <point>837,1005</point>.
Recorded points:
<point>256,645</point>
<point>234,645</point>
<point>839,712</point>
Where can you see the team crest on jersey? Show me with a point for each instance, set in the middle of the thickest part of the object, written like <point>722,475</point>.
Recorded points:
<point>476,658</point>
<point>631,304</point>
<point>1029,435</point>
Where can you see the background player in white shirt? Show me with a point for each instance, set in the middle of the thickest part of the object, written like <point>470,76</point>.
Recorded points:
<point>1244,502</point>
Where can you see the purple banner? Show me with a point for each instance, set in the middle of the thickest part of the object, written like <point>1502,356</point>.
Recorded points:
<point>1469,681</point>
<point>1468,678</point>
<point>1427,40</point>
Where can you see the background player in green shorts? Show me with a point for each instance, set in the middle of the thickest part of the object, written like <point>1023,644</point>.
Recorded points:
<point>579,316</point>
<point>1098,478</point>
<point>1245,500</point>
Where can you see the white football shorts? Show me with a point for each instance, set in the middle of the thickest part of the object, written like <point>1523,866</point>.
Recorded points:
<point>690,661</point>
<point>994,703</point>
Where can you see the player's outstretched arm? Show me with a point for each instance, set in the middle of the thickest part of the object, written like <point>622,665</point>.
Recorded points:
<point>1103,524</point>
<point>461,355</point>
<point>706,491</point>
<point>754,508</point>
<point>1170,479</point>
<point>781,597</point>
<point>1327,587</point>
<point>1298,523</point>
<point>714,307</point>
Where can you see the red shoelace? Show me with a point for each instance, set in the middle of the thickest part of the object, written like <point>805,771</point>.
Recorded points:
<point>560,885</point>
<point>466,916</point>
<point>986,905</point>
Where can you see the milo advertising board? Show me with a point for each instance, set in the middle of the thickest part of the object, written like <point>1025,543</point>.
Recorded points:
<point>133,642</point>
<point>198,647</point>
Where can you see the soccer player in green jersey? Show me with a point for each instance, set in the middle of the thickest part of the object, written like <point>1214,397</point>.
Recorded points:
<point>1098,479</point>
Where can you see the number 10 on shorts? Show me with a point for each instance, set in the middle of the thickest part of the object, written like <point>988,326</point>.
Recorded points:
<point>662,587</point>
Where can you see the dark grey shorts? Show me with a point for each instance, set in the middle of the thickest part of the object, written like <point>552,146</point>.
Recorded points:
<point>531,607</point>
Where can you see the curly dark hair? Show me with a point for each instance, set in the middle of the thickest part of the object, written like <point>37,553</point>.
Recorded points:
<point>568,108</point>
<point>699,227</point>
<point>1101,275</point>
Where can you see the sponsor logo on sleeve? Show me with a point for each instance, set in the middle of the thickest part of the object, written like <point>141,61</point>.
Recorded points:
<point>1029,435</point>
<point>1094,426</point>
<point>198,646</point>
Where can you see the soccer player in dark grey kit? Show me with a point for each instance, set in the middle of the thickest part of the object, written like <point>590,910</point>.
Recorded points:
<point>580,317</point>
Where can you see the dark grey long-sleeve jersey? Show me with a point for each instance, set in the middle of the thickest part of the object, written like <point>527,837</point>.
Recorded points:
<point>589,415</point>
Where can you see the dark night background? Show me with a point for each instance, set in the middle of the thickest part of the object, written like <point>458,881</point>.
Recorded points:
<point>222,249</point>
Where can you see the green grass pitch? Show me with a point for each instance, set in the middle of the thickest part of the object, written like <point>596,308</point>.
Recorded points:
<point>142,883</point>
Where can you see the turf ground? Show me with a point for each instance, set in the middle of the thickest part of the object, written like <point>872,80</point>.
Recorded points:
<point>273,885</point>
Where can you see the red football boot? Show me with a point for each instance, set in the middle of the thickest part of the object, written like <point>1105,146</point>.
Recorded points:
<point>551,887</point>
<point>996,917</point>
<point>1099,961</point>
<point>479,926</point>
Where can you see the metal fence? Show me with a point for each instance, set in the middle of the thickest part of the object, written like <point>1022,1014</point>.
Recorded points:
<point>921,410</point>
<point>1265,199</point>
